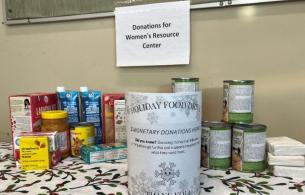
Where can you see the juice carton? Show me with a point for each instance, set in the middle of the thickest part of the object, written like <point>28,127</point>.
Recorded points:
<point>69,101</point>
<point>91,111</point>
<point>103,152</point>
<point>108,116</point>
<point>34,153</point>
<point>53,143</point>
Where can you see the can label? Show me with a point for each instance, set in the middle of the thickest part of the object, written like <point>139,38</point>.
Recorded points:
<point>185,87</point>
<point>238,103</point>
<point>248,152</point>
<point>240,97</point>
<point>188,85</point>
<point>225,102</point>
<point>216,148</point>
<point>81,136</point>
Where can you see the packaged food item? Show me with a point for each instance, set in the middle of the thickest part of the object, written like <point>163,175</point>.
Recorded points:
<point>34,153</point>
<point>238,98</point>
<point>25,110</point>
<point>81,134</point>
<point>103,152</point>
<point>249,147</point>
<point>108,116</point>
<point>185,84</point>
<point>92,111</point>
<point>69,101</point>
<point>293,172</point>
<point>119,121</point>
<point>53,141</point>
<point>57,120</point>
<point>216,145</point>
<point>292,161</point>
<point>285,146</point>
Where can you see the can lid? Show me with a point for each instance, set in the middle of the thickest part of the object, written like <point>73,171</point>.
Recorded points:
<point>82,124</point>
<point>60,89</point>
<point>54,114</point>
<point>186,79</point>
<point>83,89</point>
<point>252,127</point>
<point>216,124</point>
<point>239,81</point>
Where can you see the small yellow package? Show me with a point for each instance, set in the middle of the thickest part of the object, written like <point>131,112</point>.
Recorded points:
<point>34,153</point>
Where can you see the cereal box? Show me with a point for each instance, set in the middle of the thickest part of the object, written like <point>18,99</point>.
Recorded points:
<point>34,153</point>
<point>108,116</point>
<point>25,110</point>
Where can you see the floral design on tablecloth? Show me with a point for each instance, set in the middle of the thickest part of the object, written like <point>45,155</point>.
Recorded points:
<point>73,176</point>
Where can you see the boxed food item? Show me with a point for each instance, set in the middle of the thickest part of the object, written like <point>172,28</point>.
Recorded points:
<point>34,153</point>
<point>25,110</point>
<point>119,121</point>
<point>69,101</point>
<point>108,116</point>
<point>92,111</point>
<point>53,145</point>
<point>285,146</point>
<point>103,152</point>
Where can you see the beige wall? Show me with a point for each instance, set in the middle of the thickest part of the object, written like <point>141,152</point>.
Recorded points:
<point>265,43</point>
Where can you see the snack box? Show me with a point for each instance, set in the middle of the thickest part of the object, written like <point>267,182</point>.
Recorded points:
<point>25,110</point>
<point>103,152</point>
<point>53,145</point>
<point>34,153</point>
<point>119,121</point>
<point>108,116</point>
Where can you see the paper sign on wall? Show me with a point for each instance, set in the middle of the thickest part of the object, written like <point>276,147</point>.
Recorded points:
<point>153,34</point>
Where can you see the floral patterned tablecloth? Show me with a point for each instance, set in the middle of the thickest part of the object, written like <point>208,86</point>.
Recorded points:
<point>73,176</point>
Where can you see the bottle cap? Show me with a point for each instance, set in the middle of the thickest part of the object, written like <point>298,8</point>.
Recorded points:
<point>83,89</point>
<point>60,89</point>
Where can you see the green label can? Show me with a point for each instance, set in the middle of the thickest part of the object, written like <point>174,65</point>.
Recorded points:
<point>185,84</point>
<point>216,145</point>
<point>238,101</point>
<point>248,147</point>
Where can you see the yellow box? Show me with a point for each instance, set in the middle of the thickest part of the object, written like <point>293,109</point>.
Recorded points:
<point>34,153</point>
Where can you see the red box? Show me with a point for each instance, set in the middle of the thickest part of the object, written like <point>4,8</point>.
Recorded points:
<point>108,116</point>
<point>25,110</point>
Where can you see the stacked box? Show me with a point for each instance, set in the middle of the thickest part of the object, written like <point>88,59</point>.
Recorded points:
<point>54,154</point>
<point>34,153</point>
<point>104,152</point>
<point>108,116</point>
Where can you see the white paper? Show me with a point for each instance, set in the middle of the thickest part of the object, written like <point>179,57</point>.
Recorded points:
<point>143,26</point>
<point>285,146</point>
<point>164,138</point>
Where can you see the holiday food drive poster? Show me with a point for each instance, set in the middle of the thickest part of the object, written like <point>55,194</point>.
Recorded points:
<point>164,137</point>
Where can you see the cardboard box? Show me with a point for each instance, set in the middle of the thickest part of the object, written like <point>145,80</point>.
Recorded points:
<point>103,152</point>
<point>119,121</point>
<point>108,116</point>
<point>53,144</point>
<point>25,110</point>
<point>34,153</point>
